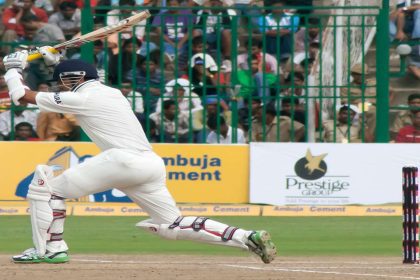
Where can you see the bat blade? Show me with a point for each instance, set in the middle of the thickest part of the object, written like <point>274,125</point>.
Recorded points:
<point>96,35</point>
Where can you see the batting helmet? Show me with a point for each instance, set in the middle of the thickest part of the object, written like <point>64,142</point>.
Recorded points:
<point>75,67</point>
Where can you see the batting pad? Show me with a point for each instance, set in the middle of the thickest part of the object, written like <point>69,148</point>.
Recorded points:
<point>211,232</point>
<point>39,196</point>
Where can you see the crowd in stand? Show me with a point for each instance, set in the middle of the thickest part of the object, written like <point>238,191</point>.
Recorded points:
<point>199,71</point>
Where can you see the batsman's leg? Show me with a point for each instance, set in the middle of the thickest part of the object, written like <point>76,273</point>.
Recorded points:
<point>47,219</point>
<point>166,221</point>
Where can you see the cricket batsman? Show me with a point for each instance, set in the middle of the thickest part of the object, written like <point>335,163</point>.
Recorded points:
<point>126,162</point>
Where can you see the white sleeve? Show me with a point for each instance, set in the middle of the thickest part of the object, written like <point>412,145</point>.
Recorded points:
<point>60,102</point>
<point>211,138</point>
<point>196,102</point>
<point>241,137</point>
<point>4,127</point>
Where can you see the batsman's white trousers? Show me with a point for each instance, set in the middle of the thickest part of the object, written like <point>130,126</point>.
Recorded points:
<point>140,175</point>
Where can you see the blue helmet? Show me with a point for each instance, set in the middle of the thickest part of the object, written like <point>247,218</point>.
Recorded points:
<point>75,67</point>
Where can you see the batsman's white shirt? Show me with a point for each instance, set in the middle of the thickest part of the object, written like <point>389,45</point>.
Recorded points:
<point>103,113</point>
<point>127,161</point>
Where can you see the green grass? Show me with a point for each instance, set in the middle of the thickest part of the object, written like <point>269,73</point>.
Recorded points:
<point>304,236</point>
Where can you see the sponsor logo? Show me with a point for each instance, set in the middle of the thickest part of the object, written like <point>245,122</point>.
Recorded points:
<point>312,184</point>
<point>311,167</point>
<point>202,168</point>
<point>57,98</point>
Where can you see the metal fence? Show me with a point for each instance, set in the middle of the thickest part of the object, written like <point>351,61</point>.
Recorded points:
<point>270,74</point>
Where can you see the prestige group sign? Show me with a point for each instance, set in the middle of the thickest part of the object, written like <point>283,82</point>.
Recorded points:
<point>318,174</point>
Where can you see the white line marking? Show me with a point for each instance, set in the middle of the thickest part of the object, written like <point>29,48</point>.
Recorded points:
<point>152,262</point>
<point>323,272</point>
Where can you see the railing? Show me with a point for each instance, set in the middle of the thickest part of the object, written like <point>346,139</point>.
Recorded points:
<point>285,88</point>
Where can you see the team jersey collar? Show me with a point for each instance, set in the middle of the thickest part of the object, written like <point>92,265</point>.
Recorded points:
<point>82,85</point>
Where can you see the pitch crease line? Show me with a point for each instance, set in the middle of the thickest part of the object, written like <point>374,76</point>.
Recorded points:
<point>323,272</point>
<point>150,262</point>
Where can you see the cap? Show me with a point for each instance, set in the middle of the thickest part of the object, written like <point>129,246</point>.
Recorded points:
<point>357,68</point>
<point>75,65</point>
<point>201,58</point>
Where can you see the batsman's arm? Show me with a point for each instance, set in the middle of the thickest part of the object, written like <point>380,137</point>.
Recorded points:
<point>18,91</point>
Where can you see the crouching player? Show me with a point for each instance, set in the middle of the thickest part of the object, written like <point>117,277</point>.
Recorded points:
<point>127,162</point>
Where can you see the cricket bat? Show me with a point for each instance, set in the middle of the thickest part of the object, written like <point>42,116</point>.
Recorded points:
<point>96,35</point>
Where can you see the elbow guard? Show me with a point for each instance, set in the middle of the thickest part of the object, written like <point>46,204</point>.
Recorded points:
<point>16,88</point>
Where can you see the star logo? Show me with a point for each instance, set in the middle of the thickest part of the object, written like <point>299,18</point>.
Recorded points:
<point>311,167</point>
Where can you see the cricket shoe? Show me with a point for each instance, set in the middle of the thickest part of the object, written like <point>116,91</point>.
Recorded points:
<point>31,256</point>
<point>260,243</point>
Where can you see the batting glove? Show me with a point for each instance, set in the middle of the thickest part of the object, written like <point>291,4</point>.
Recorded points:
<point>51,56</point>
<point>16,60</point>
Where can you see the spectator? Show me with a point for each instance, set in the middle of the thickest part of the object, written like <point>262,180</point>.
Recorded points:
<point>179,90</point>
<point>11,20</point>
<point>216,21</point>
<point>175,123</point>
<point>360,86</point>
<point>173,25</point>
<point>125,9</point>
<point>38,31</point>
<point>346,128</point>
<point>57,127</point>
<point>197,46</point>
<point>291,108</point>
<point>46,5</point>
<point>247,112</point>
<point>149,128</point>
<point>212,106</point>
<point>275,128</point>
<point>248,11</point>
<point>20,115</point>
<point>255,79</point>
<point>68,18</point>
<point>2,55</point>
<point>410,133</point>
<point>405,20</point>
<point>122,63</point>
<point>25,132</point>
<point>295,83</point>
<point>134,97</point>
<point>308,37</point>
<point>204,78</point>
<point>221,133</point>
<point>405,117</point>
<point>414,61</point>
<point>149,81</point>
<point>264,59</point>
<point>279,26</point>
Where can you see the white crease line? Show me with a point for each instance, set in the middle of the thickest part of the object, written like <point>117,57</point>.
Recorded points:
<point>152,262</point>
<point>367,263</point>
<point>352,267</point>
<point>323,272</point>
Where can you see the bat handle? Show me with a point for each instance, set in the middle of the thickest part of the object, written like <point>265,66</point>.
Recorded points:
<point>36,55</point>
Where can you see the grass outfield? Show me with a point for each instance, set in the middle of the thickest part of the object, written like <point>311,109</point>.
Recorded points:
<point>301,236</point>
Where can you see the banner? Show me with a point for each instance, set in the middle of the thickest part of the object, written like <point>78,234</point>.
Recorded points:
<point>195,173</point>
<point>328,174</point>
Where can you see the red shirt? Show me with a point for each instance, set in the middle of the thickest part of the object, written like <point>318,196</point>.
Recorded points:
<point>10,22</point>
<point>408,134</point>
